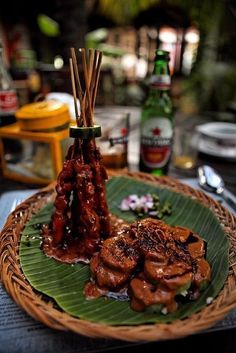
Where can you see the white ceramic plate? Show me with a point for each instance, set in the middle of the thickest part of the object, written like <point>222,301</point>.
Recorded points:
<point>218,139</point>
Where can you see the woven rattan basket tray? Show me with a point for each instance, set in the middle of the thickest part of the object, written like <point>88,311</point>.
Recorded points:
<point>46,312</point>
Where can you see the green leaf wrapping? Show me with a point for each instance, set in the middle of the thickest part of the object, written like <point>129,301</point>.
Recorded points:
<point>65,283</point>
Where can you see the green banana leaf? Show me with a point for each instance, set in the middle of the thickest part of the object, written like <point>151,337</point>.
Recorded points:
<point>65,283</point>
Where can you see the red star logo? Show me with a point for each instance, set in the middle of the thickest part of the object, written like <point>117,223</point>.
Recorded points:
<point>124,131</point>
<point>156,131</point>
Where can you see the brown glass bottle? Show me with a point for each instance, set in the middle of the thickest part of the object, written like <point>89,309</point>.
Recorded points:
<point>157,120</point>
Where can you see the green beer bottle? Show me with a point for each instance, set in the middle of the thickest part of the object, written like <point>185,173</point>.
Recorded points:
<point>157,120</point>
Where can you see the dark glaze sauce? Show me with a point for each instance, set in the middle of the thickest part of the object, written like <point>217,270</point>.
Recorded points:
<point>92,291</point>
<point>150,263</point>
<point>71,251</point>
<point>80,220</point>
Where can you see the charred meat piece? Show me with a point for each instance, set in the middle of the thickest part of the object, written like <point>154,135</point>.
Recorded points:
<point>155,272</point>
<point>179,283</point>
<point>201,278</point>
<point>152,228</point>
<point>146,294</point>
<point>181,234</point>
<point>119,227</point>
<point>196,248</point>
<point>94,159</point>
<point>120,253</point>
<point>152,236</point>
<point>86,223</point>
<point>202,275</point>
<point>105,276</point>
<point>60,221</point>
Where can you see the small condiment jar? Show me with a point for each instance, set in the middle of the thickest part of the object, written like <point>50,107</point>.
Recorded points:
<point>42,116</point>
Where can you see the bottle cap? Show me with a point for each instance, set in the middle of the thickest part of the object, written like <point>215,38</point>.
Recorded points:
<point>162,54</point>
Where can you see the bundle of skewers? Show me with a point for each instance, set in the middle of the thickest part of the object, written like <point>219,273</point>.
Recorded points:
<point>81,218</point>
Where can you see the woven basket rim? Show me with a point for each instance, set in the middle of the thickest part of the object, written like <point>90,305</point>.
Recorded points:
<point>32,301</point>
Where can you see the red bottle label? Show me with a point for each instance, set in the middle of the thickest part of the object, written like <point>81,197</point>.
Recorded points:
<point>160,81</point>
<point>156,142</point>
<point>8,102</point>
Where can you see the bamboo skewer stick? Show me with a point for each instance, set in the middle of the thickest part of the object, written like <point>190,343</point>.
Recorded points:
<point>87,84</point>
<point>90,77</point>
<point>92,81</point>
<point>97,78</point>
<point>74,92</point>
<point>91,63</point>
<point>79,88</point>
<point>74,60</point>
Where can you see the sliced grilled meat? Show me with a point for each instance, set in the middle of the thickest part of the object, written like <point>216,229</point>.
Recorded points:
<point>147,294</point>
<point>155,272</point>
<point>120,253</point>
<point>181,234</point>
<point>179,282</point>
<point>105,276</point>
<point>157,262</point>
<point>196,248</point>
<point>202,275</point>
<point>152,236</point>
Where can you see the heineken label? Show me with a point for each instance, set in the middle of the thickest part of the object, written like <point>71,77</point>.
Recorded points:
<point>122,140</point>
<point>156,139</point>
<point>160,81</point>
<point>8,102</point>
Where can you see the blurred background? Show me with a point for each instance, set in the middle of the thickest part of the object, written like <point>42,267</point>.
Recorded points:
<point>200,36</point>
